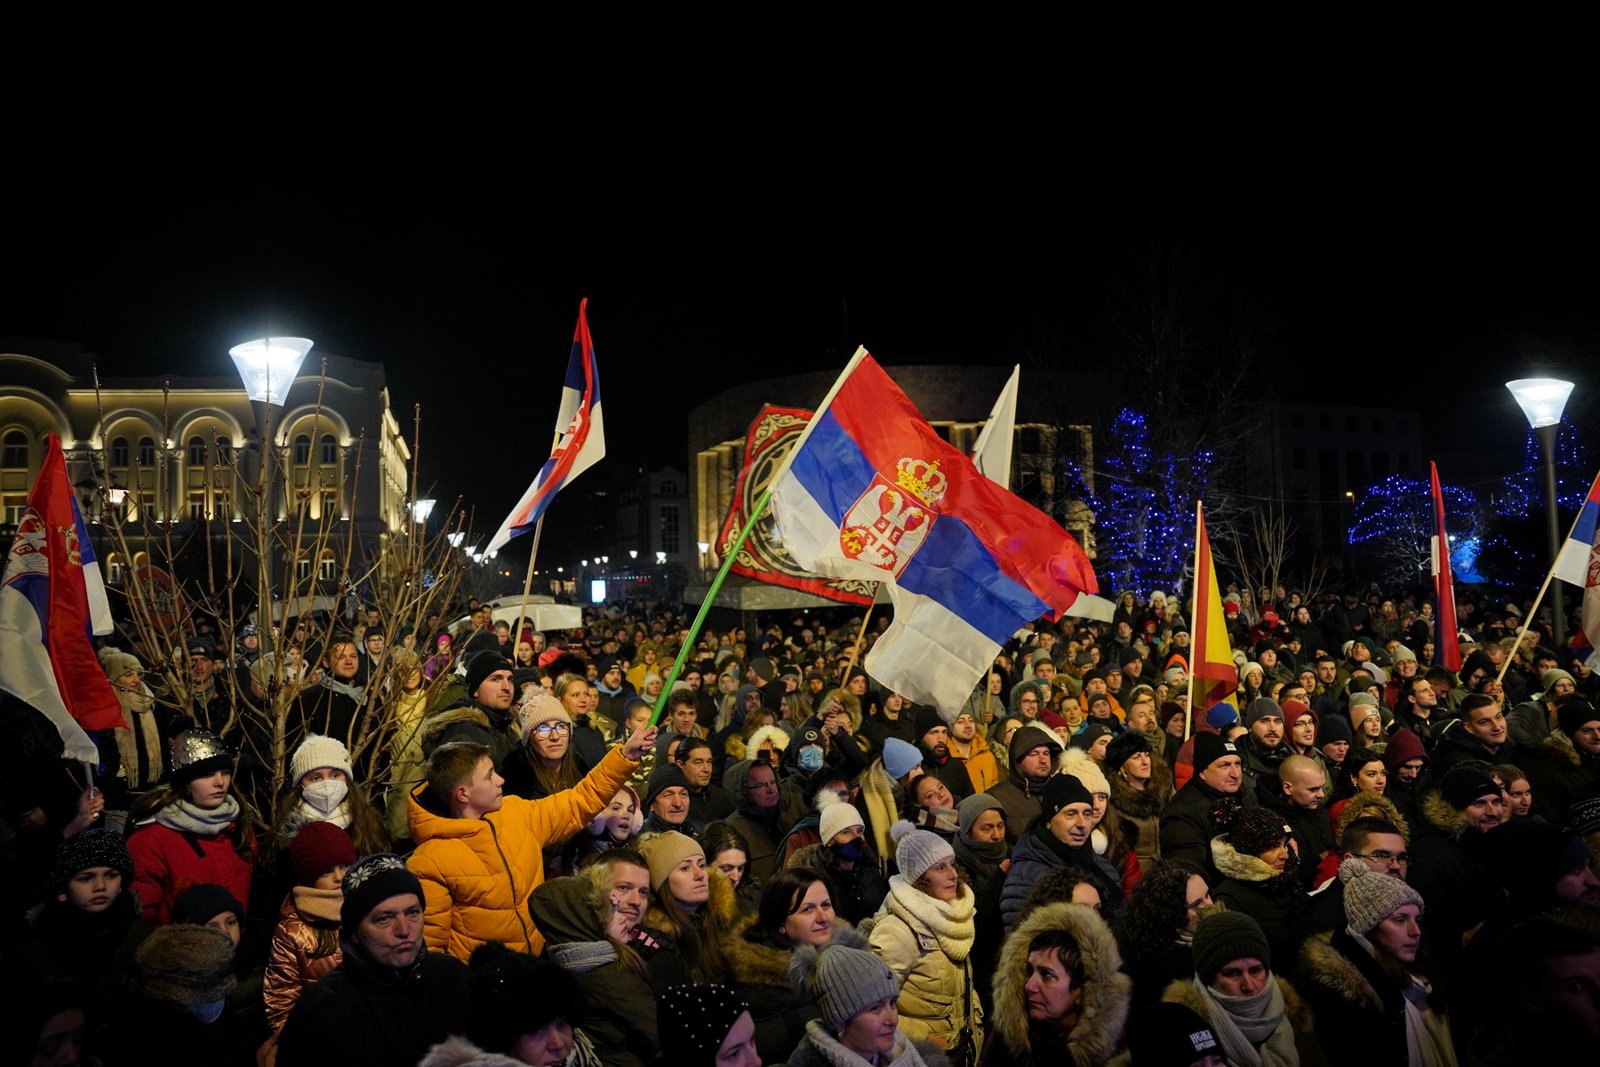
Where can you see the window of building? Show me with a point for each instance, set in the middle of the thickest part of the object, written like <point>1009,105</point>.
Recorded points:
<point>669,530</point>
<point>199,508</point>
<point>302,449</point>
<point>327,566</point>
<point>1354,467</point>
<point>12,505</point>
<point>14,453</point>
<point>1030,441</point>
<point>1380,465</point>
<point>669,487</point>
<point>330,503</point>
<point>197,451</point>
<point>224,450</point>
<point>1029,487</point>
<point>330,449</point>
<point>115,568</point>
<point>119,452</point>
<point>302,567</point>
<point>147,452</point>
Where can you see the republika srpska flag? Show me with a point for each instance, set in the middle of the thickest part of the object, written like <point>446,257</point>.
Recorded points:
<point>873,492</point>
<point>580,437</point>
<point>47,657</point>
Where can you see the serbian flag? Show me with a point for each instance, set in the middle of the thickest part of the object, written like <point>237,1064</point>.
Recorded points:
<point>1211,651</point>
<point>872,492</point>
<point>580,437</point>
<point>1445,644</point>
<point>1578,563</point>
<point>47,657</point>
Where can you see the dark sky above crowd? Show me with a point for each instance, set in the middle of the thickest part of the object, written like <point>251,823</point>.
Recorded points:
<point>1410,226</point>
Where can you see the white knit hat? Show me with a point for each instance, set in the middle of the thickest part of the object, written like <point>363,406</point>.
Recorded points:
<point>837,815</point>
<point>319,751</point>
<point>917,850</point>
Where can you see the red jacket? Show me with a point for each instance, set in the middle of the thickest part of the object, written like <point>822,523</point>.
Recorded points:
<point>166,862</point>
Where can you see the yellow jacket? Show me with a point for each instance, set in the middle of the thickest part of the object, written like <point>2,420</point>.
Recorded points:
<point>477,873</point>
<point>981,765</point>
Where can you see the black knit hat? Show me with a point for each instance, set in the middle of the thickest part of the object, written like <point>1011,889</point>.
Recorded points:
<point>927,719</point>
<point>1256,830</point>
<point>694,1021</point>
<point>1226,936</point>
<point>482,664</point>
<point>1092,731</point>
<point>201,903</point>
<point>371,881</point>
<point>513,994</point>
<point>1061,790</point>
<point>1208,748</point>
<point>1574,713</point>
<point>1463,784</point>
<point>96,847</point>
<point>664,777</point>
<point>1124,747</point>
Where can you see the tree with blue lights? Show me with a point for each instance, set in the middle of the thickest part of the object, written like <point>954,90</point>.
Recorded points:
<point>1523,492</point>
<point>1393,526</point>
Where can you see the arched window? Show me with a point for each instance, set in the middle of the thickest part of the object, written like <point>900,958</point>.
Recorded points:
<point>119,452</point>
<point>326,565</point>
<point>14,452</point>
<point>302,448</point>
<point>224,450</point>
<point>197,451</point>
<point>330,449</point>
<point>147,452</point>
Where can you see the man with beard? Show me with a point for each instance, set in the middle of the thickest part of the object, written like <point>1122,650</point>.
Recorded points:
<point>1033,761</point>
<point>1206,805</point>
<point>1566,766</point>
<point>1265,746</point>
<point>390,999</point>
<point>933,739</point>
<point>972,751</point>
<point>484,715</point>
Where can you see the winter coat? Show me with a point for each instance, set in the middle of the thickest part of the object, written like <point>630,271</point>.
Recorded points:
<point>1447,869</point>
<point>166,862</point>
<point>1295,1009</point>
<point>1140,811</point>
<point>858,892</point>
<point>1102,1013</point>
<point>407,769</point>
<point>760,829</point>
<point>95,951</point>
<point>1032,857</point>
<point>821,1049</point>
<point>760,974</point>
<point>1361,1014</point>
<point>1250,885</point>
<point>1019,797</point>
<point>477,873</point>
<point>983,771</point>
<point>880,806</point>
<point>926,943</point>
<point>621,1015</point>
<point>459,1052</point>
<point>1187,827</point>
<point>466,720</point>
<point>369,1014</point>
<point>291,967</point>
<point>713,923</point>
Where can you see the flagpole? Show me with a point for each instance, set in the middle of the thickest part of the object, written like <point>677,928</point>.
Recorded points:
<point>732,550</point>
<point>527,582</point>
<point>1533,609</point>
<point>1195,608</point>
<point>855,649</point>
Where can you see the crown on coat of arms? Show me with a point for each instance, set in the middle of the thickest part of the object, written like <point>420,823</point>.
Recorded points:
<point>921,479</point>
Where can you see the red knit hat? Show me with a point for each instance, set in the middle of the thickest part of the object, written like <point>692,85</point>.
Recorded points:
<point>318,848</point>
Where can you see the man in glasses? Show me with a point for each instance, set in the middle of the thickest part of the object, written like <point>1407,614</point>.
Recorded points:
<point>1376,842</point>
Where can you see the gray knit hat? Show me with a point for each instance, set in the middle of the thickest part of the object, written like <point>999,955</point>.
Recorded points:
<point>917,850</point>
<point>1371,896</point>
<point>1226,936</point>
<point>843,981</point>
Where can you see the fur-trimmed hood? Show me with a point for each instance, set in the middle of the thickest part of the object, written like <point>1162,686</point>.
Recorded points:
<point>722,904</point>
<point>1359,803</point>
<point>1143,803</point>
<point>1325,965</point>
<point>459,1052</point>
<point>436,724</point>
<point>1440,816</point>
<point>772,732</point>
<point>1240,866</point>
<point>752,963</point>
<point>1103,1013</point>
<point>1295,1008</point>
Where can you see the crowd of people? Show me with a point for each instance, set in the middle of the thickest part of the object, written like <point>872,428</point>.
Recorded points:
<point>1358,855</point>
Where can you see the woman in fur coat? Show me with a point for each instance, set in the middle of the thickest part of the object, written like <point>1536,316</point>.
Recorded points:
<point>1141,785</point>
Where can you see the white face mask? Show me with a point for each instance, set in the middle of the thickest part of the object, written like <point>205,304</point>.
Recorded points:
<point>325,795</point>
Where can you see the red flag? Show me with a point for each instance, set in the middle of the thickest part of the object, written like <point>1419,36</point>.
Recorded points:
<point>49,659</point>
<point>1211,650</point>
<point>1446,648</point>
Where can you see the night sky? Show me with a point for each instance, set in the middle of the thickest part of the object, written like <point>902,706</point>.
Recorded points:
<point>739,197</point>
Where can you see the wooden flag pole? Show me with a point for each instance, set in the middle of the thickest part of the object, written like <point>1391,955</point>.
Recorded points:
<point>527,583</point>
<point>855,650</point>
<point>1195,607</point>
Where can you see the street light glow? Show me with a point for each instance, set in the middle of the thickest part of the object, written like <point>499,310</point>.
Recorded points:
<point>268,366</point>
<point>421,509</point>
<point>455,539</point>
<point>1541,399</point>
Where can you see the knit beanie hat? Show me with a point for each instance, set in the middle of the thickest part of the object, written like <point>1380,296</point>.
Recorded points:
<point>1462,784</point>
<point>95,847</point>
<point>117,663</point>
<point>1546,680</point>
<point>1261,707</point>
<point>1334,728</point>
<point>317,848</point>
<point>1099,698</point>
<point>369,882</point>
<point>1087,771</point>
<point>196,754</point>
<point>1208,748</point>
<point>1402,654</point>
<point>513,994</point>
<point>1225,936</point>
<point>202,903</point>
<point>1255,830</point>
<point>1360,700</point>
<point>665,851</point>
<point>1573,714</point>
<point>1403,747</point>
<point>1091,732</point>
<point>1171,1035</point>
<point>836,815</point>
<point>1371,896</point>
<point>843,981</point>
<point>481,664</point>
<point>1584,816</point>
<point>186,964</point>
<point>1248,666</point>
<point>1221,714</point>
<point>765,669</point>
<point>968,810</point>
<point>693,1021</point>
<point>927,718</point>
<point>917,850</point>
<point>899,757</point>
<point>1060,791</point>
<point>664,777</point>
<point>538,710</point>
<point>316,752</point>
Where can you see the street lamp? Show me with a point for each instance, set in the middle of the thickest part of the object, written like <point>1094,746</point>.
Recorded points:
<point>421,509</point>
<point>455,539</point>
<point>633,553</point>
<point>1542,401</point>
<point>661,557</point>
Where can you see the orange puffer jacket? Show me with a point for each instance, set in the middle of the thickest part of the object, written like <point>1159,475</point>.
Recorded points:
<point>291,967</point>
<point>477,873</point>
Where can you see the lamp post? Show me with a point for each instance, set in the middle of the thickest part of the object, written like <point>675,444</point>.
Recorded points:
<point>1542,400</point>
<point>421,509</point>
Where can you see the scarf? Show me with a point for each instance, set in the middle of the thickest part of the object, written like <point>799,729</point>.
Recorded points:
<point>139,746</point>
<point>950,921</point>
<point>1428,1040</point>
<point>318,905</point>
<point>978,857</point>
<point>1253,1030</point>
<point>357,693</point>
<point>581,957</point>
<point>942,821</point>
<point>186,818</point>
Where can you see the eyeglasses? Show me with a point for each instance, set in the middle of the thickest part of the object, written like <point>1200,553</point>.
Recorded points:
<point>1383,856</point>
<point>550,729</point>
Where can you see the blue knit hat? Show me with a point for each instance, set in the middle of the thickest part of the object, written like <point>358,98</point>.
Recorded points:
<point>899,757</point>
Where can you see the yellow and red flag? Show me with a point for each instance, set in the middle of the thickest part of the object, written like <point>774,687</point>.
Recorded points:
<point>1213,676</point>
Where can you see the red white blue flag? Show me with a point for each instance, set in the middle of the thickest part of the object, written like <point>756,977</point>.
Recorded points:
<point>1444,587</point>
<point>1579,564</point>
<point>580,437</point>
<point>873,492</point>
<point>47,655</point>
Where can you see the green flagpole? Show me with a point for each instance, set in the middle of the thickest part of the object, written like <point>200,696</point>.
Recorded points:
<point>716,583</point>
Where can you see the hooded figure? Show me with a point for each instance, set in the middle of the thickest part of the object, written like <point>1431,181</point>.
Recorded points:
<point>1030,770</point>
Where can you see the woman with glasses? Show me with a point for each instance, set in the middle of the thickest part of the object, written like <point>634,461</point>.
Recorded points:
<point>547,761</point>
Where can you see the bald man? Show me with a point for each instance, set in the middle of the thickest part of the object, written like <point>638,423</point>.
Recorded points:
<point>1301,798</point>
